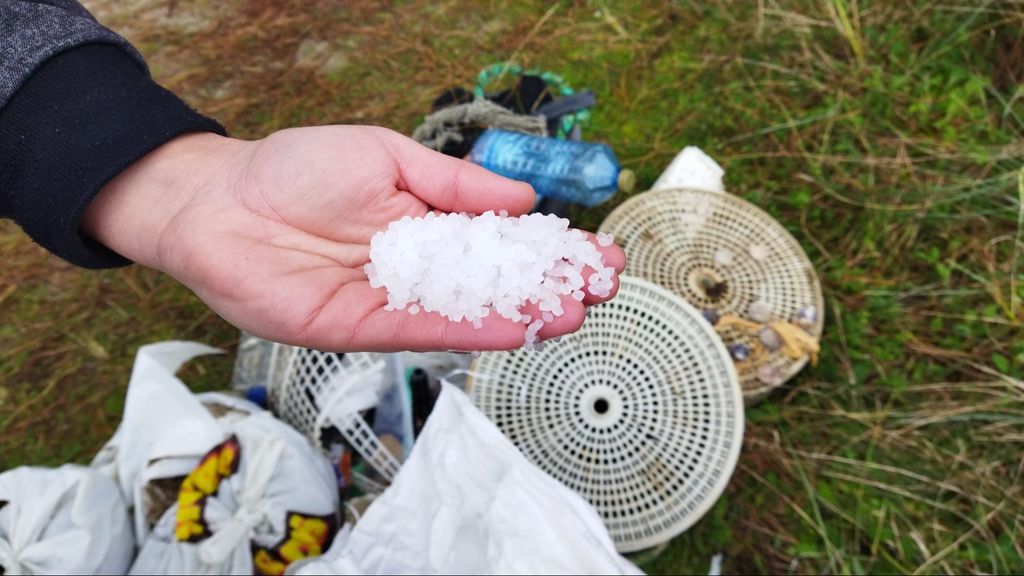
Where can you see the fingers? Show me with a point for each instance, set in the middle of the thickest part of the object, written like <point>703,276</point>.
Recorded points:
<point>380,330</point>
<point>396,330</point>
<point>455,185</point>
<point>355,320</point>
<point>554,326</point>
<point>612,256</point>
<point>429,331</point>
<point>590,300</point>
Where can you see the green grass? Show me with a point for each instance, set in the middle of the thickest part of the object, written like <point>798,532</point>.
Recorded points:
<point>886,136</point>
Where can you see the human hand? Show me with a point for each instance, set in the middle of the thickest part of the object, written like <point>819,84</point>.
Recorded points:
<point>273,234</point>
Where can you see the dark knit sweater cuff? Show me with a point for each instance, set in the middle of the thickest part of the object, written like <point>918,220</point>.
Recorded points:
<point>83,117</point>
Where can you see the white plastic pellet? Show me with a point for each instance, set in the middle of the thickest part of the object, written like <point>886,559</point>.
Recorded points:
<point>465,267</point>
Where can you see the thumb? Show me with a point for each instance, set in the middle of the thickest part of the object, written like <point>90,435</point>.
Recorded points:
<point>455,185</point>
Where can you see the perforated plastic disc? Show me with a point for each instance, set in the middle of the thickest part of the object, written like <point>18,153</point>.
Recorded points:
<point>722,253</point>
<point>639,412</point>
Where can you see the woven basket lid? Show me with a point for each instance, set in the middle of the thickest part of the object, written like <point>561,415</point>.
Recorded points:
<point>640,412</point>
<point>691,240</point>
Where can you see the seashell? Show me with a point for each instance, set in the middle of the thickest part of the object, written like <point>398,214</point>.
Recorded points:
<point>760,311</point>
<point>806,317</point>
<point>758,251</point>
<point>711,315</point>
<point>770,338</point>
<point>770,375</point>
<point>739,352</point>
<point>724,257</point>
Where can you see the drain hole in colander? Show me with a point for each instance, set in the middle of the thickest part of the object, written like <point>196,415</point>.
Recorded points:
<point>600,405</point>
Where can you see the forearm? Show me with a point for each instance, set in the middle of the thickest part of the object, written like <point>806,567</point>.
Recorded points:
<point>79,121</point>
<point>133,213</point>
<point>77,108</point>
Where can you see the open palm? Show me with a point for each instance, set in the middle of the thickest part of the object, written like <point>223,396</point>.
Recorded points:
<point>275,234</point>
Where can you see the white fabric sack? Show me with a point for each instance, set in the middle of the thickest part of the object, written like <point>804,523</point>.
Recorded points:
<point>468,502</point>
<point>67,520</point>
<point>165,428</point>
<point>167,432</point>
<point>282,486</point>
<point>691,168</point>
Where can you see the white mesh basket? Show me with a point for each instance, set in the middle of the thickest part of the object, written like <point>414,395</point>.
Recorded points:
<point>302,383</point>
<point>687,239</point>
<point>640,412</point>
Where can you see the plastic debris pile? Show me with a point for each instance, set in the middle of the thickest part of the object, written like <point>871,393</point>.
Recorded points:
<point>529,131</point>
<point>213,484</point>
<point>742,276</point>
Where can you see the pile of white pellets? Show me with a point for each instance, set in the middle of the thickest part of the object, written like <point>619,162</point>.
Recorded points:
<point>465,267</point>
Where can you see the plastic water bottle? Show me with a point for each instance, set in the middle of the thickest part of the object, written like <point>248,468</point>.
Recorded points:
<point>577,172</point>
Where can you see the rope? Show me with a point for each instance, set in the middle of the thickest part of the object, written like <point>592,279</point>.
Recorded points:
<point>250,513</point>
<point>443,126</point>
<point>9,560</point>
<point>556,82</point>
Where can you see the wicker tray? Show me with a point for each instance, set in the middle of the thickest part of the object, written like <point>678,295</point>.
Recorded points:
<point>722,254</point>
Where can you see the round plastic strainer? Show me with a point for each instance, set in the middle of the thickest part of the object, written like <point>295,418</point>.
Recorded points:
<point>722,254</point>
<point>639,412</point>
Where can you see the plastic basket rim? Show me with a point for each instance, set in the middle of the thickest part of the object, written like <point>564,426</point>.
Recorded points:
<point>386,464</point>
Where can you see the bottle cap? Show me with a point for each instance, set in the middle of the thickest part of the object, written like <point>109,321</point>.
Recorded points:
<point>627,180</point>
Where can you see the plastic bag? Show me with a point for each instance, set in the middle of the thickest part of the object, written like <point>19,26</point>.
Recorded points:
<point>68,520</point>
<point>216,484</point>
<point>164,431</point>
<point>467,501</point>
<point>691,168</point>
<point>257,502</point>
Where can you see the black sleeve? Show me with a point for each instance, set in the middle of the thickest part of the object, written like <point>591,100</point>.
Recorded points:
<point>81,118</point>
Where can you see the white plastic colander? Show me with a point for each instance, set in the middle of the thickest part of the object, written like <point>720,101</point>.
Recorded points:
<point>640,412</point>
<point>687,240</point>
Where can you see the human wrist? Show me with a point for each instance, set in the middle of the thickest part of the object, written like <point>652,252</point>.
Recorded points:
<point>82,117</point>
<point>131,213</point>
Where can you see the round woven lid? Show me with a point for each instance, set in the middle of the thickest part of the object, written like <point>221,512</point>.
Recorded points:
<point>639,412</point>
<point>722,254</point>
